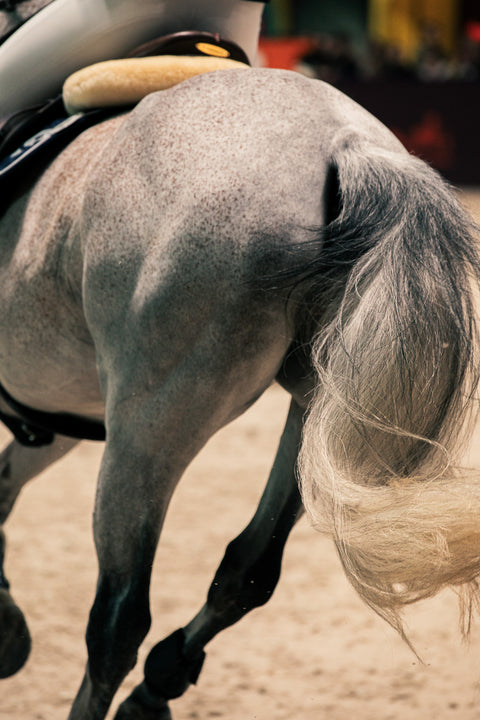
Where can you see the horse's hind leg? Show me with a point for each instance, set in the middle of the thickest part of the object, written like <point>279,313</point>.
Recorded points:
<point>18,464</point>
<point>245,579</point>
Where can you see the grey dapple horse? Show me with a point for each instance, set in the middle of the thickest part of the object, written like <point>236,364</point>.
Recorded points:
<point>167,267</point>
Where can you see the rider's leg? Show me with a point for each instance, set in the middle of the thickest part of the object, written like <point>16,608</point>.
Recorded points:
<point>18,464</point>
<point>69,34</point>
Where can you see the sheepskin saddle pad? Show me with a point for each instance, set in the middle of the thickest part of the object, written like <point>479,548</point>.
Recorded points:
<point>116,83</point>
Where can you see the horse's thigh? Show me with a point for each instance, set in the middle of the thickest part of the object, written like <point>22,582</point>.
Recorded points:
<point>19,464</point>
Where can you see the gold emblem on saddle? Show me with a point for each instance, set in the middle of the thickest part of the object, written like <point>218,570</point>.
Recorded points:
<point>212,50</point>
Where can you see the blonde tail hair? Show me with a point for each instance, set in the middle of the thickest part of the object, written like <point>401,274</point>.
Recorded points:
<point>396,369</point>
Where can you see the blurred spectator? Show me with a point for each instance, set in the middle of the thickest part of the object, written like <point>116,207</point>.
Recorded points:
<point>468,60</point>
<point>384,62</point>
<point>331,58</point>
<point>432,62</point>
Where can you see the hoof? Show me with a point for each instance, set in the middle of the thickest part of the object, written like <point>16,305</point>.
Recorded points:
<point>15,642</point>
<point>140,705</point>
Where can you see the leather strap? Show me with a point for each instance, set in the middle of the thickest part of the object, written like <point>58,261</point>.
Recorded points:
<point>35,428</point>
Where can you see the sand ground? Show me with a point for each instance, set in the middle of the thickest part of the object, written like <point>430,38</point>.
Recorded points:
<point>315,652</point>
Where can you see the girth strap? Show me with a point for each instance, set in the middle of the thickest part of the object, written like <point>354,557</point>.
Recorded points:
<point>35,428</point>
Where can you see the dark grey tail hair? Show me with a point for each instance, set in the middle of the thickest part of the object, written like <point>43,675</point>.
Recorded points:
<point>396,370</point>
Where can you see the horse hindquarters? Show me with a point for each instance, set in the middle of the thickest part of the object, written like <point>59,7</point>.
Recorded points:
<point>396,371</point>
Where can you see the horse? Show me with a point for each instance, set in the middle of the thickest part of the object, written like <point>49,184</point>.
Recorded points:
<point>242,228</point>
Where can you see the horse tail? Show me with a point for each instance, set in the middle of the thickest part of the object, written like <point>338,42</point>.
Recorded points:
<point>396,369</point>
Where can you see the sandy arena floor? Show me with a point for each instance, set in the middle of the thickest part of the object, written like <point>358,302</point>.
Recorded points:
<point>313,653</point>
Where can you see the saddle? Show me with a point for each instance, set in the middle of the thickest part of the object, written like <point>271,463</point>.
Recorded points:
<point>32,138</point>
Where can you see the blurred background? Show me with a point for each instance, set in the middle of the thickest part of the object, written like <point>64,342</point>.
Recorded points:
<point>415,64</point>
